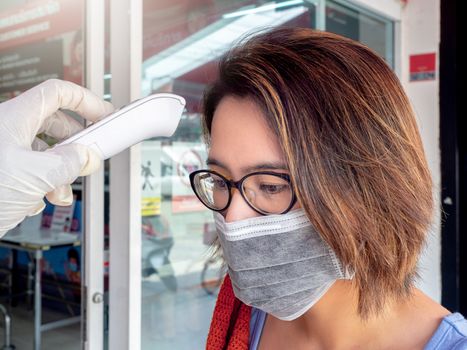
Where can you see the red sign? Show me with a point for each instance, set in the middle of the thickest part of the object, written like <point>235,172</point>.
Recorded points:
<point>423,67</point>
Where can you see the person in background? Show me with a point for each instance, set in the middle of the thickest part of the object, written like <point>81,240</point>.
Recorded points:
<point>322,199</point>
<point>29,169</point>
<point>73,267</point>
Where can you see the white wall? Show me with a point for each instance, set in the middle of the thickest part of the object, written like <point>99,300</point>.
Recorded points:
<point>420,33</point>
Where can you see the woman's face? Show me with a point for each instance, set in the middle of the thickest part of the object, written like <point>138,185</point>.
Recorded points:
<point>242,143</point>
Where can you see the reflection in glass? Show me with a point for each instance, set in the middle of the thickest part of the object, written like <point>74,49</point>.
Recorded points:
<point>182,42</point>
<point>375,32</point>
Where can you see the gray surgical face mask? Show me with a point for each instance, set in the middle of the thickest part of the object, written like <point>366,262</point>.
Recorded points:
<point>278,263</point>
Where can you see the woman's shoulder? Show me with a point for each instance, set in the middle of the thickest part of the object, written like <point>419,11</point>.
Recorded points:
<point>451,334</point>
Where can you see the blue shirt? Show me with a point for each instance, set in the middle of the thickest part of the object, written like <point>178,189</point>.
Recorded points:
<point>450,335</point>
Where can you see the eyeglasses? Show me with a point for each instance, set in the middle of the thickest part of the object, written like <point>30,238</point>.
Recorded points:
<point>264,191</point>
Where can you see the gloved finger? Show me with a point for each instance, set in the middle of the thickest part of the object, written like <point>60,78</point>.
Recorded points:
<point>60,125</point>
<point>70,161</point>
<point>60,94</point>
<point>62,195</point>
<point>39,145</point>
<point>39,209</point>
<point>28,111</point>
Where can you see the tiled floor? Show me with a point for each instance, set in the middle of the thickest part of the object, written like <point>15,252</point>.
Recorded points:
<point>22,333</point>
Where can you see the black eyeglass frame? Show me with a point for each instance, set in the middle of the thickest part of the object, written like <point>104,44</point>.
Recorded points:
<point>238,185</point>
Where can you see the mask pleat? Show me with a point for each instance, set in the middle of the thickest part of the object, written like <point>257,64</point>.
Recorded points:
<point>278,263</point>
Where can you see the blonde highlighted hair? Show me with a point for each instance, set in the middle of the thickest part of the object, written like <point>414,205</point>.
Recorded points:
<point>352,146</point>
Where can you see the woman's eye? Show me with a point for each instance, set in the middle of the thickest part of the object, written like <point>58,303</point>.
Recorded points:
<point>272,189</point>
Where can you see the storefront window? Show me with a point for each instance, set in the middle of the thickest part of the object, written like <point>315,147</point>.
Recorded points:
<point>40,40</point>
<point>182,42</point>
<point>371,30</point>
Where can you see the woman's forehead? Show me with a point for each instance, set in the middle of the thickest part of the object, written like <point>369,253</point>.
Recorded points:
<point>240,135</point>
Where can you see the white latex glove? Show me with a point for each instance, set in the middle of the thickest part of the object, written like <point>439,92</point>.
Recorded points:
<point>28,170</point>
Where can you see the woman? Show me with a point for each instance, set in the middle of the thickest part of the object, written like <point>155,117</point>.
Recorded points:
<point>322,199</point>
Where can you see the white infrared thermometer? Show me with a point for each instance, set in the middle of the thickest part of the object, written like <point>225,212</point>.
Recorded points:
<point>152,116</point>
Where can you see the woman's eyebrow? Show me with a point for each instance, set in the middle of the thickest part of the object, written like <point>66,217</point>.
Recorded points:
<point>251,168</point>
<point>212,161</point>
<point>265,166</point>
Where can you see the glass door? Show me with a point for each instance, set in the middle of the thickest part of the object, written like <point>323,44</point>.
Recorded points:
<point>92,329</point>
<point>182,42</point>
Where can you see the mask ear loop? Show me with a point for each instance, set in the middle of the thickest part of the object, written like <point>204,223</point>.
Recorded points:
<point>349,274</point>
<point>344,271</point>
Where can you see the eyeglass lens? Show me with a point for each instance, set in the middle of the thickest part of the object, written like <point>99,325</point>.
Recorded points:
<point>264,192</point>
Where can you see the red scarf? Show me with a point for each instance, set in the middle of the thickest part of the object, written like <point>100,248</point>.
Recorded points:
<point>230,325</point>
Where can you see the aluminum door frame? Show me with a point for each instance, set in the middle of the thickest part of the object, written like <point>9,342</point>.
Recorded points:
<point>126,41</point>
<point>92,306</point>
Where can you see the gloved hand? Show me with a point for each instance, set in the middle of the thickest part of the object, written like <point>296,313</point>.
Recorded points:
<point>28,170</point>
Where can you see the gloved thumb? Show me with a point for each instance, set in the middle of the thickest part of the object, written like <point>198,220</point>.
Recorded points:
<point>91,161</point>
<point>62,195</point>
<point>77,159</point>
<point>67,163</point>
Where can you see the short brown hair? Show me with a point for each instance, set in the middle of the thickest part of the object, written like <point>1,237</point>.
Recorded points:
<point>352,146</point>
